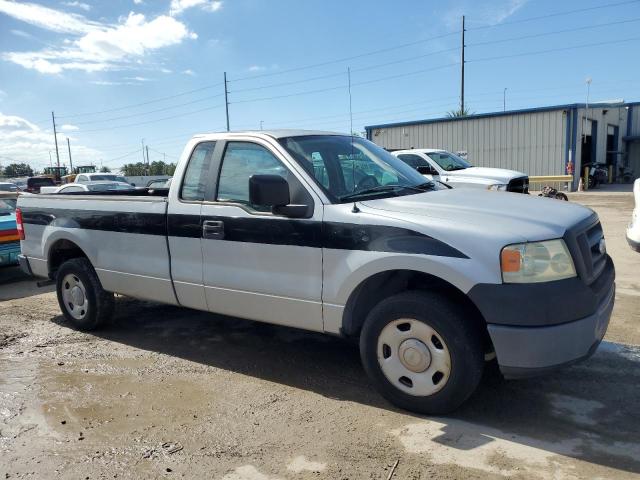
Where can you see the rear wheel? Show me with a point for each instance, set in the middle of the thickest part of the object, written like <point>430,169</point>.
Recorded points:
<point>81,297</point>
<point>421,352</point>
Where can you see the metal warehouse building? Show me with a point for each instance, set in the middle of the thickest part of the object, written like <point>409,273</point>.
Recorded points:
<point>537,141</point>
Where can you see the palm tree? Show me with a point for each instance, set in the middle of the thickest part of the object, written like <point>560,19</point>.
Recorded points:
<point>460,112</point>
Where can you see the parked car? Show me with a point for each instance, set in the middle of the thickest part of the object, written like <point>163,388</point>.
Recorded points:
<point>8,187</point>
<point>34,184</point>
<point>166,183</point>
<point>432,282</point>
<point>452,169</point>
<point>97,177</point>
<point>633,231</point>
<point>9,239</point>
<point>98,186</point>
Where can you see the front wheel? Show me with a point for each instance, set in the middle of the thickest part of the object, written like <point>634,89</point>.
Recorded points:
<point>422,352</point>
<point>81,297</point>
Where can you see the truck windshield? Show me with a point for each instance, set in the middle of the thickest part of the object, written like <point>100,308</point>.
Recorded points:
<point>352,168</point>
<point>449,161</point>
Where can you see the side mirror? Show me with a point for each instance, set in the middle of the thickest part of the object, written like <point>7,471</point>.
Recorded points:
<point>426,170</point>
<point>273,191</point>
<point>268,190</point>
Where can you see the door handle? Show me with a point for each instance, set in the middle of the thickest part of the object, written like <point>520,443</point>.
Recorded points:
<point>213,229</point>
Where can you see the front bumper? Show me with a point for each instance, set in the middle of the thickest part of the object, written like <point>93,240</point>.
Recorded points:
<point>529,351</point>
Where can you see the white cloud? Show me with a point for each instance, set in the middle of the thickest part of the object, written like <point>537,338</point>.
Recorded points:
<point>188,71</point>
<point>23,141</point>
<point>100,46</point>
<point>139,79</point>
<point>166,70</point>
<point>67,127</point>
<point>138,2</point>
<point>256,68</point>
<point>80,5</point>
<point>48,18</point>
<point>179,6</point>
<point>482,14</point>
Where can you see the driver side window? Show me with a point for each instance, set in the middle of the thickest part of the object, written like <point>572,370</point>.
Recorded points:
<point>242,160</point>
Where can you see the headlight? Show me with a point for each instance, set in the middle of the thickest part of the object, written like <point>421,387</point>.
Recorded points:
<point>536,262</point>
<point>498,186</point>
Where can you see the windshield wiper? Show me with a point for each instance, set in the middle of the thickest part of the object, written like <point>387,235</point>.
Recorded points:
<point>389,188</point>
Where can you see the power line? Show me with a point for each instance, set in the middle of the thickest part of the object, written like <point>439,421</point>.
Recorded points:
<point>160,99</point>
<point>567,30</point>
<point>153,121</point>
<point>344,59</point>
<point>149,111</point>
<point>550,15</point>
<point>553,50</point>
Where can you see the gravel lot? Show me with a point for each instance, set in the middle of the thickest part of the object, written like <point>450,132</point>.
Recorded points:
<point>169,392</point>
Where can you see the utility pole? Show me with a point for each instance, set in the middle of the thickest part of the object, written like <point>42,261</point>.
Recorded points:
<point>504,100</point>
<point>462,73</point>
<point>261,122</point>
<point>226,99</point>
<point>147,147</point>
<point>50,162</point>
<point>55,137</point>
<point>70,161</point>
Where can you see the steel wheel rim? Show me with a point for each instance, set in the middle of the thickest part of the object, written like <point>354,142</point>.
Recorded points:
<point>402,355</point>
<point>74,295</point>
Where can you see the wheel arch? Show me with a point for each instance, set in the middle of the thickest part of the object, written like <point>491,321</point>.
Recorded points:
<point>60,251</point>
<point>384,284</point>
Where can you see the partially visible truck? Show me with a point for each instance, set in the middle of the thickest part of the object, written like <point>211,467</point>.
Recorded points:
<point>633,230</point>
<point>331,233</point>
<point>453,170</point>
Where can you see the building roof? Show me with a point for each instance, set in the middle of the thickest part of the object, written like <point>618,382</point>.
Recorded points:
<point>569,106</point>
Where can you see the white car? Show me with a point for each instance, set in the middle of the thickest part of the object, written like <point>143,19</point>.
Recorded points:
<point>99,177</point>
<point>92,187</point>
<point>453,170</point>
<point>8,187</point>
<point>633,231</point>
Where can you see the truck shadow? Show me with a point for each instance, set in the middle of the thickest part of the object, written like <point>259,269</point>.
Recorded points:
<point>589,412</point>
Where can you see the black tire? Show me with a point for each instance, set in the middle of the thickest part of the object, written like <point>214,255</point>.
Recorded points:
<point>461,336</point>
<point>562,196</point>
<point>99,303</point>
<point>593,183</point>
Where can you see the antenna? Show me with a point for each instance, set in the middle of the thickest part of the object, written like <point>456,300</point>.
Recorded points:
<point>350,110</point>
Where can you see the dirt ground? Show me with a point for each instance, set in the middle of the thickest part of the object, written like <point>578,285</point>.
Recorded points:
<point>169,392</point>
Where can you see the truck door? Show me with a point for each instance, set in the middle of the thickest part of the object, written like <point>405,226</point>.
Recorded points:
<point>185,226</point>
<point>258,265</point>
<point>423,165</point>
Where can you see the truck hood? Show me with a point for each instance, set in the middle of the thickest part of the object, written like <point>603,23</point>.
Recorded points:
<point>499,174</point>
<point>517,216</point>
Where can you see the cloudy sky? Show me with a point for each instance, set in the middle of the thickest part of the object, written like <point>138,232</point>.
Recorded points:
<point>121,72</point>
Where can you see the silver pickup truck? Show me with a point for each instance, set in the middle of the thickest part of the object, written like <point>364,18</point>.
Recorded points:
<point>331,233</point>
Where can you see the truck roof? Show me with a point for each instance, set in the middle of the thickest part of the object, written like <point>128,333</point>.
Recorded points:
<point>277,133</point>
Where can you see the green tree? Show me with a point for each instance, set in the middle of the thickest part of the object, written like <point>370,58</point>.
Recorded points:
<point>134,169</point>
<point>18,170</point>
<point>105,169</point>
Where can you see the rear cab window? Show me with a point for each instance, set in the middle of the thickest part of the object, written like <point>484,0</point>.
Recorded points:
<point>196,176</point>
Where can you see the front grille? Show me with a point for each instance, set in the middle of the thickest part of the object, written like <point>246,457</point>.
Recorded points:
<point>584,242</point>
<point>589,243</point>
<point>519,185</point>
